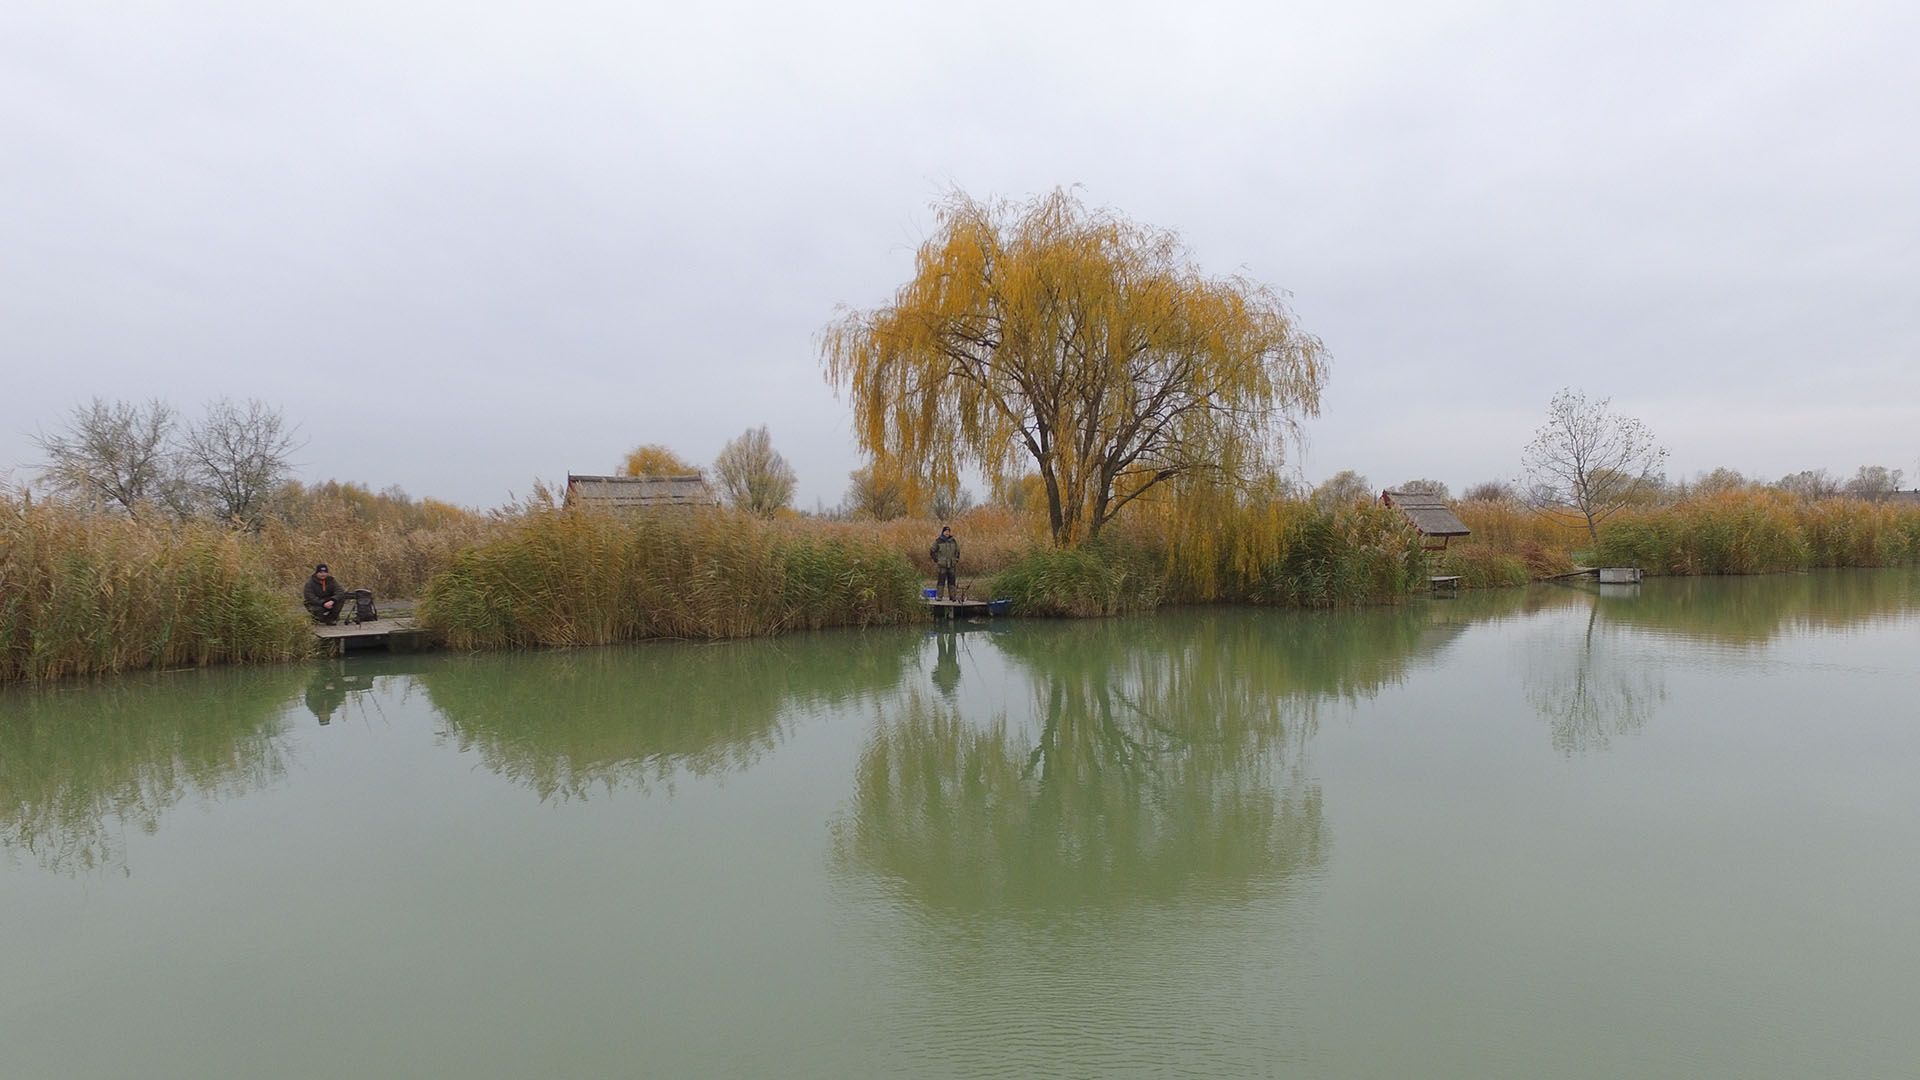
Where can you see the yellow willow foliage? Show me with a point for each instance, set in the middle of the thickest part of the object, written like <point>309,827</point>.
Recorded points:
<point>655,460</point>
<point>1080,345</point>
<point>1217,539</point>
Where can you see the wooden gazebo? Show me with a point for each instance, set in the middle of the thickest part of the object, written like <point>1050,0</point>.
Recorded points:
<point>631,494</point>
<point>1431,517</point>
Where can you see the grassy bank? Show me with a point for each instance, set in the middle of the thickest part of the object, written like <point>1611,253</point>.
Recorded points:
<point>87,594</point>
<point>559,578</point>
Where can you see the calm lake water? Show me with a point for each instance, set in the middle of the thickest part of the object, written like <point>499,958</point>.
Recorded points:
<point>1673,831</point>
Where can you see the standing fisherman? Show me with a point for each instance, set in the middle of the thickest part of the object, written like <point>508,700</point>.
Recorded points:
<point>945,554</point>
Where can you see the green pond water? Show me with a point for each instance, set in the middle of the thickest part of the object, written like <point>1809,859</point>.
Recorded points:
<point>1671,831</point>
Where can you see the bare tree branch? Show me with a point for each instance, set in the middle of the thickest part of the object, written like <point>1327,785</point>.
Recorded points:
<point>1589,459</point>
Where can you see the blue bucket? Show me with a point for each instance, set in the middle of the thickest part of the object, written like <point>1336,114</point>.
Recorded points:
<point>930,593</point>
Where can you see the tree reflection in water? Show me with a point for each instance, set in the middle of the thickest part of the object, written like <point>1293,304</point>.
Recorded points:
<point>567,723</point>
<point>1165,758</point>
<point>1587,690</point>
<point>1594,678</point>
<point>79,765</point>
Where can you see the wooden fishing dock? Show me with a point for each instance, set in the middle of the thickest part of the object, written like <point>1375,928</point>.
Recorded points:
<point>1605,575</point>
<point>396,631</point>
<point>968,609</point>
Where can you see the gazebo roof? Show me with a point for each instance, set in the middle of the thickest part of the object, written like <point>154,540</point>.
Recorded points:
<point>1428,514</point>
<point>639,492</point>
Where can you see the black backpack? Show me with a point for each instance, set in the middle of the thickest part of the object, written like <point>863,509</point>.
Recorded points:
<point>363,606</point>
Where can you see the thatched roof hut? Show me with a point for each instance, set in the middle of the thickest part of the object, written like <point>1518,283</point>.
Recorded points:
<point>627,494</point>
<point>1432,518</point>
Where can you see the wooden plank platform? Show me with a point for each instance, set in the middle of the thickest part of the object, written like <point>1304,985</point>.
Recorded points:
<point>956,609</point>
<point>1444,583</point>
<point>1610,575</point>
<point>399,633</point>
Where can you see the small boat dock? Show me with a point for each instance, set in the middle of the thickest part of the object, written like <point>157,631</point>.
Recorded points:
<point>1606,575</point>
<point>968,609</point>
<point>397,630</point>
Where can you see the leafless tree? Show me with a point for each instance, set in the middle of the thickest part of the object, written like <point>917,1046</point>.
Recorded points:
<point>950,502</point>
<point>1874,482</point>
<point>112,454</point>
<point>753,475</point>
<point>1490,491</point>
<point>1809,484</point>
<point>236,458</point>
<point>1590,459</point>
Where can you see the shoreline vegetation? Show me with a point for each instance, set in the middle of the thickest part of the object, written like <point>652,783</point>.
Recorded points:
<point>87,592</point>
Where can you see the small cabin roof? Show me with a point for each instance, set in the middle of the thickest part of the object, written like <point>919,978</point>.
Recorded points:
<point>1427,513</point>
<point>639,492</point>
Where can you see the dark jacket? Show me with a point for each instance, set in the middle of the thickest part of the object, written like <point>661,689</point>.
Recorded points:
<point>945,553</point>
<point>315,594</point>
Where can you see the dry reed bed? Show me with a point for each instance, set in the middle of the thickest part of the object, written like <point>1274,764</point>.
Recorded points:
<point>88,594</point>
<point>991,538</point>
<point>555,577</point>
<point>1757,532</point>
<point>369,541</point>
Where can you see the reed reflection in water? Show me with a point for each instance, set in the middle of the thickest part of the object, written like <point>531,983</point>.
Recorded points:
<point>81,765</point>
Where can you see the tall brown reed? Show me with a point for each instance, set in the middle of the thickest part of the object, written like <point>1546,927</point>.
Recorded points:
<point>558,577</point>
<point>991,538</point>
<point>1752,532</point>
<point>1544,544</point>
<point>390,544</point>
<point>84,594</point>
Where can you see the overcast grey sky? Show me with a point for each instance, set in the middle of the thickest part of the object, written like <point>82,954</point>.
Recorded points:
<point>465,245</point>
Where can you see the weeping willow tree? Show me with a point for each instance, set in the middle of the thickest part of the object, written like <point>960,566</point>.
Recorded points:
<point>1078,344</point>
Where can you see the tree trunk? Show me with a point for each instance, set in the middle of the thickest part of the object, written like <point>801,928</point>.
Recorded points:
<point>1055,514</point>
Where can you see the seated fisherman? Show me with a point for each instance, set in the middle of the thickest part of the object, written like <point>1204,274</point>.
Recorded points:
<point>326,598</point>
